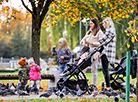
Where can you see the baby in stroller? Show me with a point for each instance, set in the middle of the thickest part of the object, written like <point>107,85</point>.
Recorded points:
<point>83,54</point>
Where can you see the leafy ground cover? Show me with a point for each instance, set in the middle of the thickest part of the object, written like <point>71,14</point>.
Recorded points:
<point>44,85</point>
<point>67,99</point>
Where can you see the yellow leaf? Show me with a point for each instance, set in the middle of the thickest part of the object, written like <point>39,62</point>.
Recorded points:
<point>100,7</point>
<point>58,11</point>
<point>131,22</point>
<point>68,98</point>
<point>103,4</point>
<point>120,10</point>
<point>125,31</point>
<point>134,31</point>
<point>1,100</point>
<point>123,17</point>
<point>66,10</point>
<point>131,11</point>
<point>50,99</point>
<point>128,34</point>
<point>11,100</point>
<point>134,21</point>
<point>127,16</point>
<point>128,45</point>
<point>132,39</point>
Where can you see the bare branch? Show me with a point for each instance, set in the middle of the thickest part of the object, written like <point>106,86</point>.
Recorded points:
<point>128,31</point>
<point>45,9</point>
<point>40,5</point>
<point>26,7</point>
<point>33,6</point>
<point>120,24</point>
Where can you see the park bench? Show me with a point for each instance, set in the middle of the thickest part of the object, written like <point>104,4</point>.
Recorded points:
<point>15,77</point>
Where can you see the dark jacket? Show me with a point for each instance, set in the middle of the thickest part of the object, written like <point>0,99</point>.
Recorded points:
<point>23,72</point>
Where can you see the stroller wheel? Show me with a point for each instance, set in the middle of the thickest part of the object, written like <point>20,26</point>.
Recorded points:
<point>91,88</point>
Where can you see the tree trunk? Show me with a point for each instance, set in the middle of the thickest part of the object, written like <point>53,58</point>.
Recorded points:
<point>36,30</point>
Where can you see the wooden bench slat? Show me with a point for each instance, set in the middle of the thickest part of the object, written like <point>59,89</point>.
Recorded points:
<point>14,76</point>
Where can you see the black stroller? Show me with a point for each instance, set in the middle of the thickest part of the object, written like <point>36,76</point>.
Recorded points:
<point>74,80</point>
<point>117,76</point>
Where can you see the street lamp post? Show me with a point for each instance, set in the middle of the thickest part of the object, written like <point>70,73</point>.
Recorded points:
<point>80,32</point>
<point>86,24</point>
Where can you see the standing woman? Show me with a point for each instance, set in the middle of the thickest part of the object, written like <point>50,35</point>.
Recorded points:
<point>93,35</point>
<point>108,54</point>
<point>63,53</point>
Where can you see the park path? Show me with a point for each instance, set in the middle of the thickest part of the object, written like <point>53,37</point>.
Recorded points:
<point>53,96</point>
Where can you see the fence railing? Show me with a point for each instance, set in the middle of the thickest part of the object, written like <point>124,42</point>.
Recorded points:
<point>12,63</point>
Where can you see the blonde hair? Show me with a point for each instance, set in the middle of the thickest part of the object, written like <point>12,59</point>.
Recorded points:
<point>109,22</point>
<point>65,43</point>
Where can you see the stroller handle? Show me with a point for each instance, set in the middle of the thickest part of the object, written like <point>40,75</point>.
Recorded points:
<point>99,49</point>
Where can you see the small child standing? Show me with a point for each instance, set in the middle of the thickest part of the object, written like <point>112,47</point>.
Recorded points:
<point>23,73</point>
<point>35,76</point>
<point>63,53</point>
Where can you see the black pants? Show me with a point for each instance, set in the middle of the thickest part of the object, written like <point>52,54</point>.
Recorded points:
<point>105,69</point>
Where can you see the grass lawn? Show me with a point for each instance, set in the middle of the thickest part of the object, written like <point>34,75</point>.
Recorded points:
<point>67,99</point>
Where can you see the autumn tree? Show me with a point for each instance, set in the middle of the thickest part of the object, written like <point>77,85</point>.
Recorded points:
<point>5,47</point>
<point>38,11</point>
<point>20,45</point>
<point>10,17</point>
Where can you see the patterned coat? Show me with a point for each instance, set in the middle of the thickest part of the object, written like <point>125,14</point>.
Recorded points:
<point>62,52</point>
<point>110,49</point>
<point>23,72</point>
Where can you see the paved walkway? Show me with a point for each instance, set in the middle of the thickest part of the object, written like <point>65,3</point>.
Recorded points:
<point>53,96</point>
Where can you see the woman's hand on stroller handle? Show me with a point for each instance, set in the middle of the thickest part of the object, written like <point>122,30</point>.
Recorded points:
<point>89,43</point>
